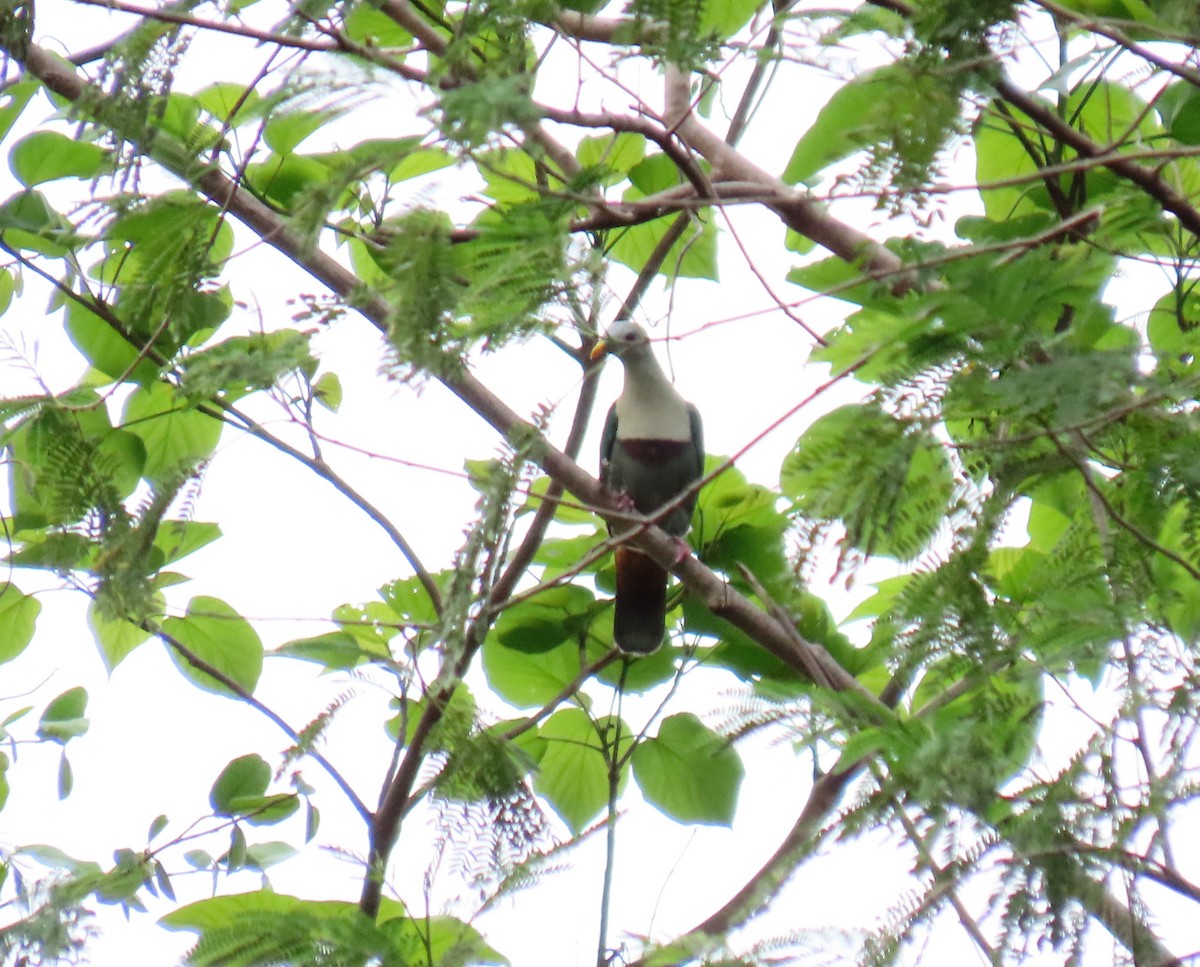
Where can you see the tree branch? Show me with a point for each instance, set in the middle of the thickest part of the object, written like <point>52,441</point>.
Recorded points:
<point>323,470</point>
<point>797,209</point>
<point>1149,180</point>
<point>801,840</point>
<point>710,588</point>
<point>248,697</point>
<point>1098,25</point>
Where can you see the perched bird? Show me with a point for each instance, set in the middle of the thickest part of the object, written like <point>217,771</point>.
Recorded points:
<point>651,452</point>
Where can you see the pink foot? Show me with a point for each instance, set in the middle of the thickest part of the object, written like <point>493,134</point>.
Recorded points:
<point>682,550</point>
<point>625,503</point>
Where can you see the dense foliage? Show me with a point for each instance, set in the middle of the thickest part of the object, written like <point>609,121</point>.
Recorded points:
<point>1014,456</point>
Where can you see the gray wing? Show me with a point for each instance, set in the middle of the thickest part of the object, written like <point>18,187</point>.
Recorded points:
<point>608,440</point>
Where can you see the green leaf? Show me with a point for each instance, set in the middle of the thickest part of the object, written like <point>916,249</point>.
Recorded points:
<point>738,523</point>
<point>1001,160</point>
<point>616,154</point>
<point>336,650</point>
<point>28,221</point>
<point>1179,108</point>
<point>694,256</point>
<point>420,161</point>
<point>408,601</point>
<point>1177,593</point>
<point>176,435</point>
<point>220,637</point>
<point>288,179</point>
<point>156,827</point>
<point>240,790</point>
<point>57,551</point>
<point>656,173</point>
<point>198,859</point>
<point>726,17</point>
<point>241,365</point>
<point>64,717</point>
<point>510,177</point>
<point>284,133</point>
<point>245,909</point>
<point>230,103</point>
<point>223,911</point>
<point>839,279</point>
<point>179,538</point>
<point>115,638</point>
<point>47,156</point>
<point>573,772</point>
<point>163,880</point>
<point>442,940</point>
<point>179,116</point>
<point>18,613</point>
<point>888,480</point>
<point>689,772</point>
<point>66,776</point>
<point>541,622</point>
<point>529,680</point>
<point>8,286</point>
<point>105,348</point>
<point>327,391</point>
<point>853,118</point>
<point>368,25</point>
<point>121,457</point>
<point>16,97</point>
<point>1111,113</point>
<point>261,855</point>
<point>159,236</point>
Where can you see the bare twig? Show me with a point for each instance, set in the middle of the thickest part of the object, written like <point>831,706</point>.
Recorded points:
<point>247,696</point>
<point>323,470</point>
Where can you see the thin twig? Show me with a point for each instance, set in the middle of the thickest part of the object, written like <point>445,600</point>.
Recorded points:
<point>318,466</point>
<point>247,696</point>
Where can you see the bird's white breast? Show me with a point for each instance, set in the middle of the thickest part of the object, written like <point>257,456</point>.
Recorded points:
<point>652,411</point>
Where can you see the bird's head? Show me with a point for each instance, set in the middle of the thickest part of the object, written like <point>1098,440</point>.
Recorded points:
<point>622,339</point>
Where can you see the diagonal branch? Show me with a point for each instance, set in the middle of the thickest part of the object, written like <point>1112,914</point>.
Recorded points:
<point>797,209</point>
<point>801,840</point>
<point>247,696</point>
<point>323,470</point>
<point>1148,179</point>
<point>709,587</point>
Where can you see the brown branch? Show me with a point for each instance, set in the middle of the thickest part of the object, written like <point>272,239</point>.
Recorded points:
<point>1105,29</point>
<point>801,840</point>
<point>606,30</point>
<point>945,885</point>
<point>635,125</point>
<point>797,209</point>
<point>183,19</point>
<point>402,13</point>
<point>710,588</point>
<point>1149,180</point>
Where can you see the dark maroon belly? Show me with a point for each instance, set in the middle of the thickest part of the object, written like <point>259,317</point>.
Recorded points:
<point>654,451</point>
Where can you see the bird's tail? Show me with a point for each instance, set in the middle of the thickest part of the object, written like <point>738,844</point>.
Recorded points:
<point>640,615</point>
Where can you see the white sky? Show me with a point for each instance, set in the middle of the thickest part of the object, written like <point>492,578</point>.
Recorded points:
<point>293,550</point>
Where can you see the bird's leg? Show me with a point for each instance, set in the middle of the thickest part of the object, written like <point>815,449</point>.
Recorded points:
<point>626,505</point>
<point>682,550</point>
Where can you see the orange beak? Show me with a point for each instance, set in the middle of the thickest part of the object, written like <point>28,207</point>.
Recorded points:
<point>599,350</point>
